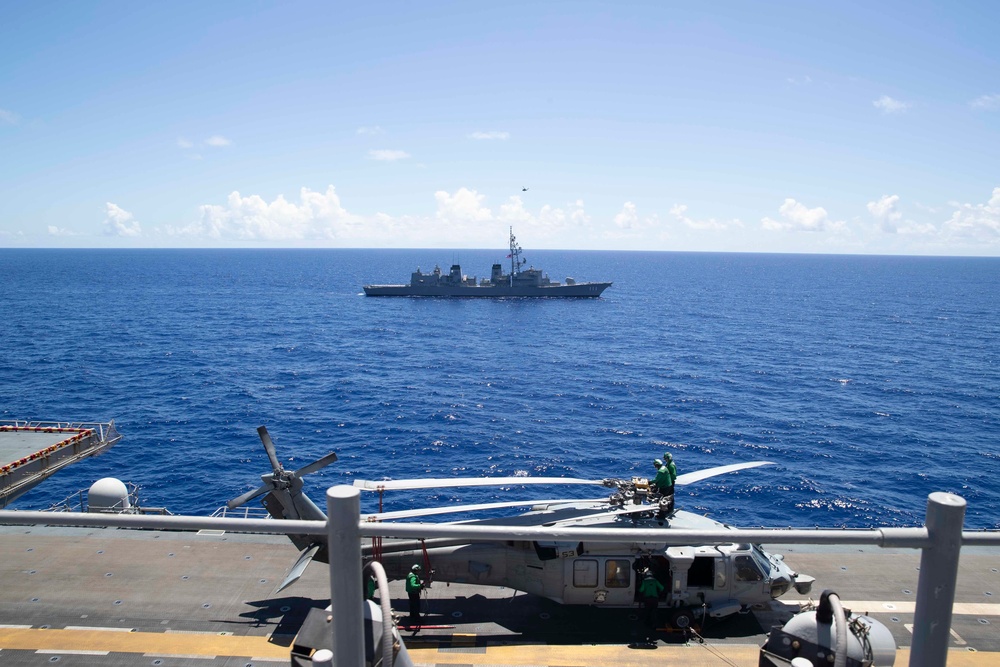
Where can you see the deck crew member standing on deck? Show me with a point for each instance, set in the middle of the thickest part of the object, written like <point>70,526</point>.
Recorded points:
<point>649,591</point>
<point>413,587</point>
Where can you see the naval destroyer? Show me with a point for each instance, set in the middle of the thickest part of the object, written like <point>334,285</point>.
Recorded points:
<point>519,282</point>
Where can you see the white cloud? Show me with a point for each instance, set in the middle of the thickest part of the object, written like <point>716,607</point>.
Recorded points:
<point>549,220</point>
<point>462,207</point>
<point>986,103</point>
<point>490,135</point>
<point>388,155</point>
<point>370,130</point>
<point>9,117</point>
<point>679,212</point>
<point>627,218</point>
<point>981,221</point>
<point>796,217</point>
<point>217,141</point>
<point>184,143</point>
<point>60,231</point>
<point>891,221</point>
<point>804,80</point>
<point>461,219</point>
<point>318,215</point>
<point>884,210</point>
<point>119,222</point>
<point>888,105</point>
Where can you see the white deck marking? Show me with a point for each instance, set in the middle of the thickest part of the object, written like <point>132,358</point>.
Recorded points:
<point>958,639</point>
<point>909,606</point>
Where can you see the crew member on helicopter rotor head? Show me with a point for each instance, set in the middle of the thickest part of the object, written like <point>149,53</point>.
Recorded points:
<point>413,587</point>
<point>666,475</point>
<point>663,482</point>
<point>668,459</point>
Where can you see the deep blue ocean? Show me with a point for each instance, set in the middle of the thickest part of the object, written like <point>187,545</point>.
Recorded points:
<point>870,381</point>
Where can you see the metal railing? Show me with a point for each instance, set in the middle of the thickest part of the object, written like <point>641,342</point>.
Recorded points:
<point>940,540</point>
<point>105,431</point>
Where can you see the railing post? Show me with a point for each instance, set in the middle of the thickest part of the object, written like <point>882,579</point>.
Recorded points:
<point>936,584</point>
<point>343,508</point>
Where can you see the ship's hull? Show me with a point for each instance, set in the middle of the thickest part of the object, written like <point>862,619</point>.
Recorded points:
<point>578,290</point>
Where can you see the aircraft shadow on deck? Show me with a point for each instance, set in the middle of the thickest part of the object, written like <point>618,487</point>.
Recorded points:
<point>531,618</point>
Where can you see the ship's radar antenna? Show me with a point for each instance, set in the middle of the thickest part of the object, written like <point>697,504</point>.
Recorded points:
<point>516,262</point>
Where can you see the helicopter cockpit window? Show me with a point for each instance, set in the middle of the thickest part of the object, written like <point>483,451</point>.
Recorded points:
<point>617,573</point>
<point>585,573</point>
<point>747,569</point>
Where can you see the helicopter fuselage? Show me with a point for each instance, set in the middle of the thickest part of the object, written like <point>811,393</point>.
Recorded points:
<point>716,580</point>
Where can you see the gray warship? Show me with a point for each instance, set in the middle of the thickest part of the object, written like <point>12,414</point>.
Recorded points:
<point>519,282</point>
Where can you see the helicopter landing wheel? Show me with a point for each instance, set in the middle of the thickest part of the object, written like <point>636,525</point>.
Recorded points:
<point>681,619</point>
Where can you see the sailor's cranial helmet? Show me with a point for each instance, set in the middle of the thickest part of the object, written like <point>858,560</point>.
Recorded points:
<point>668,456</point>
<point>415,568</point>
<point>658,462</point>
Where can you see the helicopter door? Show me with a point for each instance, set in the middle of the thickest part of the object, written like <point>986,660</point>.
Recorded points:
<point>601,581</point>
<point>748,578</point>
<point>706,578</point>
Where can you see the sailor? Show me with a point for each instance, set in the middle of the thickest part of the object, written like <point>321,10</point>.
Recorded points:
<point>663,482</point>
<point>650,590</point>
<point>370,587</point>
<point>668,458</point>
<point>413,587</point>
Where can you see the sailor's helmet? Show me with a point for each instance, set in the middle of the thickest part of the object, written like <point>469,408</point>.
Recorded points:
<point>668,456</point>
<point>658,462</point>
<point>415,568</point>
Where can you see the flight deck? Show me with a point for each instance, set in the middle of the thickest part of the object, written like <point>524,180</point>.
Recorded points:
<point>31,451</point>
<point>104,596</point>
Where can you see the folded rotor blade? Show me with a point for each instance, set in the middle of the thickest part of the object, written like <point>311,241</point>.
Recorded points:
<point>454,509</point>
<point>265,437</point>
<point>633,509</point>
<point>247,497</point>
<point>316,465</point>
<point>698,475</point>
<point>449,482</point>
<point>300,566</point>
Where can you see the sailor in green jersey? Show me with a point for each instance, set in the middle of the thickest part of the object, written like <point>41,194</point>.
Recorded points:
<point>650,590</point>
<point>668,490</point>
<point>413,587</point>
<point>668,460</point>
<point>663,480</point>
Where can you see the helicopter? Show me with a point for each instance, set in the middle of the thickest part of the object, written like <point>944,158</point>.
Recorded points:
<point>699,580</point>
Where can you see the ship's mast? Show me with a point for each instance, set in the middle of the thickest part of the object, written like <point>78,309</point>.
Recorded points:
<point>515,257</point>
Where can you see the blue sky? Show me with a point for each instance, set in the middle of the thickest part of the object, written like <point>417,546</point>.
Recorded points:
<point>728,126</point>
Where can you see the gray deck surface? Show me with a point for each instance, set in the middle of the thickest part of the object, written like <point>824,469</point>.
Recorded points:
<point>16,445</point>
<point>171,598</point>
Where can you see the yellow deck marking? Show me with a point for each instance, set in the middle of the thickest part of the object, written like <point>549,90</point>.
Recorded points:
<point>258,648</point>
<point>160,643</point>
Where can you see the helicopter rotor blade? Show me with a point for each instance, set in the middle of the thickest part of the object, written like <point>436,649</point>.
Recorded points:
<point>455,509</point>
<point>449,482</point>
<point>698,475</point>
<point>265,437</point>
<point>247,497</point>
<point>316,465</point>
<point>610,514</point>
<point>299,567</point>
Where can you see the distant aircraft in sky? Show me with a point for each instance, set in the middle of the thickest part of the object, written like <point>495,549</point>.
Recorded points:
<point>524,189</point>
